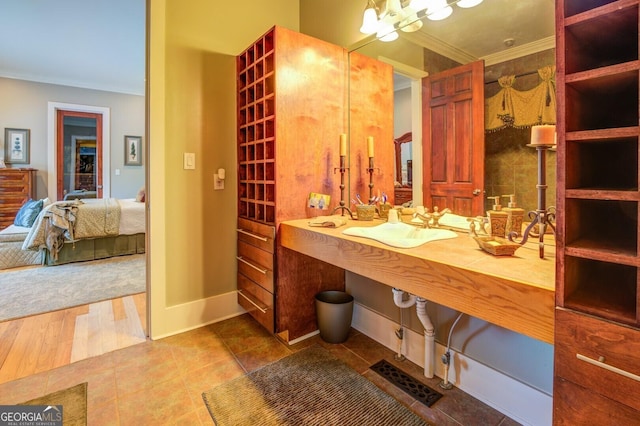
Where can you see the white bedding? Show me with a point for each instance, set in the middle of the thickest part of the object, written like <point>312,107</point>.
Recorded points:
<point>132,220</point>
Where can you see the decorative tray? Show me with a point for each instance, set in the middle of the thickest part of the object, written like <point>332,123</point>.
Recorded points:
<point>497,246</point>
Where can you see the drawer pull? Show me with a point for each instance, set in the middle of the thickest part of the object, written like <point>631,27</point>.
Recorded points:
<point>262,271</point>
<point>257,237</point>
<point>264,311</point>
<point>601,364</point>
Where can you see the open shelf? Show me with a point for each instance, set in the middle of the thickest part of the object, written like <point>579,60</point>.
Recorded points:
<point>595,7</point>
<point>609,101</point>
<point>588,47</point>
<point>608,225</point>
<point>602,163</point>
<point>608,290</point>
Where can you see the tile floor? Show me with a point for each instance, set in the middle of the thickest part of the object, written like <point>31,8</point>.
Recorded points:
<point>161,382</point>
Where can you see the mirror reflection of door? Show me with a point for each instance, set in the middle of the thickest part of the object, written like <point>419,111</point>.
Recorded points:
<point>404,168</point>
<point>453,139</point>
<point>79,153</point>
<point>83,161</point>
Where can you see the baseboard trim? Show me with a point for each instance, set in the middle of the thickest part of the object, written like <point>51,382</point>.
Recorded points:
<point>191,315</point>
<point>511,397</point>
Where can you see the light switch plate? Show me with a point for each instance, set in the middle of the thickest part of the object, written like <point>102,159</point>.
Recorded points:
<point>189,161</point>
<point>217,182</point>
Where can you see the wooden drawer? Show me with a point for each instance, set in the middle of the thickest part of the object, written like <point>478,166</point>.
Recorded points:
<point>257,301</point>
<point>598,355</point>
<point>256,264</point>
<point>257,234</point>
<point>574,405</point>
<point>16,187</point>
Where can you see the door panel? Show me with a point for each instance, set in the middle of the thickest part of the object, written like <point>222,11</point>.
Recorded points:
<point>453,139</point>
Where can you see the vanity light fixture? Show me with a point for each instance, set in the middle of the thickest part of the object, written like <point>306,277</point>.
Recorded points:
<point>407,18</point>
<point>384,23</point>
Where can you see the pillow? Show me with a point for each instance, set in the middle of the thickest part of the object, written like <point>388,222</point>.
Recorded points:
<point>141,195</point>
<point>28,213</point>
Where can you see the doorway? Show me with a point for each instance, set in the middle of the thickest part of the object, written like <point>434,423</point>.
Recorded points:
<point>82,116</point>
<point>78,153</point>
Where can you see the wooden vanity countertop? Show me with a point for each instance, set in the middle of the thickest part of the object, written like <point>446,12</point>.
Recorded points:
<point>515,292</point>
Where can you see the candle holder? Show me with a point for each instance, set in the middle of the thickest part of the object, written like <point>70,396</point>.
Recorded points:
<point>343,169</point>
<point>542,216</point>
<point>370,170</point>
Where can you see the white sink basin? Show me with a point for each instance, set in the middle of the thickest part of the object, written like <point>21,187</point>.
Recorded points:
<point>400,234</point>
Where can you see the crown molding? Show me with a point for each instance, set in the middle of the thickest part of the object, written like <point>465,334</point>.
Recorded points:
<point>520,51</point>
<point>436,45</point>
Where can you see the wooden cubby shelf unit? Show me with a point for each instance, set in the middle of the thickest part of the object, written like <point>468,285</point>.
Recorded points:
<point>256,131</point>
<point>601,86</point>
<point>597,322</point>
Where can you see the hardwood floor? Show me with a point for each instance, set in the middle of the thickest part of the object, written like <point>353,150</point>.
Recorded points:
<point>43,342</point>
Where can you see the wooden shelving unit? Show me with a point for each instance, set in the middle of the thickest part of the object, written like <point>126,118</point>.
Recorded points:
<point>291,110</point>
<point>256,131</point>
<point>598,285</point>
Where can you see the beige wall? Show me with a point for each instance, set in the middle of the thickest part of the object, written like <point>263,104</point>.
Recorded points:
<point>192,109</point>
<point>25,104</point>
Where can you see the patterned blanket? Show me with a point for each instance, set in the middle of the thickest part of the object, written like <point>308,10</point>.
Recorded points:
<point>70,221</point>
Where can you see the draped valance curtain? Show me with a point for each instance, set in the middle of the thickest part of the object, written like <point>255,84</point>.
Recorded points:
<point>520,109</point>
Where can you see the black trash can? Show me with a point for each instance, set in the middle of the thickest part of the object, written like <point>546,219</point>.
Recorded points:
<point>334,313</point>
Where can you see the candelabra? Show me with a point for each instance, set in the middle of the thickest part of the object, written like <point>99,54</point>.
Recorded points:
<point>543,216</point>
<point>370,170</point>
<point>343,169</point>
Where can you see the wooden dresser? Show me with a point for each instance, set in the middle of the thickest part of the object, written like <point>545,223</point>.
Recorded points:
<point>17,186</point>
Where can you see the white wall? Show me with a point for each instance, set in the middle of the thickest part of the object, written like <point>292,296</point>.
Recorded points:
<point>24,106</point>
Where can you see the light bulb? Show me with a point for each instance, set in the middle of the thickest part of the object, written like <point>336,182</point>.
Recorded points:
<point>468,3</point>
<point>419,5</point>
<point>369,21</point>
<point>438,10</point>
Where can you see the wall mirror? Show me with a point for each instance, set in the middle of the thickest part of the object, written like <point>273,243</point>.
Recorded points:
<point>512,40</point>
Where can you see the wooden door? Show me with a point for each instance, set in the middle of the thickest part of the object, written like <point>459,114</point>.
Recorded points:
<point>64,168</point>
<point>453,139</point>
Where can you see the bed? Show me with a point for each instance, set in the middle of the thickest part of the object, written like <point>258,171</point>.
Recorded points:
<point>94,229</point>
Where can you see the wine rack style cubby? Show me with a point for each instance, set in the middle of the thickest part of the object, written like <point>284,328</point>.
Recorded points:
<point>597,281</point>
<point>256,131</point>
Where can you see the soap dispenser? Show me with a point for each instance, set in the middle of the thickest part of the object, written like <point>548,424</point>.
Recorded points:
<point>497,218</point>
<point>515,215</point>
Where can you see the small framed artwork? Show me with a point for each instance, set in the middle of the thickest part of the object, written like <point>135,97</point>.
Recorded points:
<point>133,150</point>
<point>16,146</point>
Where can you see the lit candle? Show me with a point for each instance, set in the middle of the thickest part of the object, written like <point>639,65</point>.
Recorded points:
<point>370,146</point>
<point>343,145</point>
<point>543,135</point>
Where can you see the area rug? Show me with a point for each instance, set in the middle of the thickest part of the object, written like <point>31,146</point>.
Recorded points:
<point>37,290</point>
<point>73,401</point>
<point>310,387</point>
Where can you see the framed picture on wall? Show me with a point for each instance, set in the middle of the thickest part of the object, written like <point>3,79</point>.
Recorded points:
<point>133,150</point>
<point>16,146</point>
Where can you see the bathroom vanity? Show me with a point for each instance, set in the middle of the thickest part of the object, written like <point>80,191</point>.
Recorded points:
<point>514,292</point>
